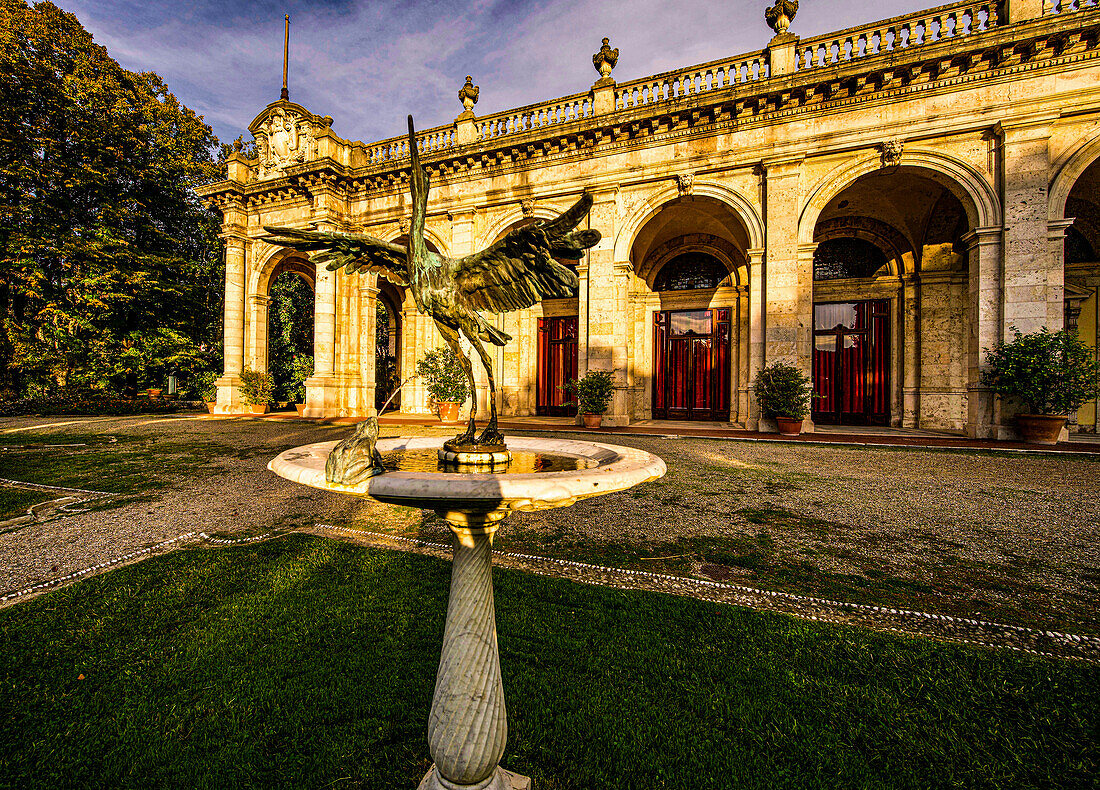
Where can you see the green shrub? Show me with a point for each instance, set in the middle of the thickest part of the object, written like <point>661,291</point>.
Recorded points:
<point>1048,372</point>
<point>205,386</point>
<point>445,376</point>
<point>594,391</point>
<point>301,368</point>
<point>783,390</point>
<point>256,387</point>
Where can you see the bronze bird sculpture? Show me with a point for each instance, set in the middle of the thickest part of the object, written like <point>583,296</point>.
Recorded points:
<point>516,272</point>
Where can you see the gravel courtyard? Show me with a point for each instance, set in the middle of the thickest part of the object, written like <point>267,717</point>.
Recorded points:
<point>1007,537</point>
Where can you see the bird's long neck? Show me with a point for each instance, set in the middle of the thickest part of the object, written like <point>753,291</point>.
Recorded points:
<point>418,187</point>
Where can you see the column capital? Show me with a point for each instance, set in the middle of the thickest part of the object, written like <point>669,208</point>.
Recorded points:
<point>755,256</point>
<point>604,193</point>
<point>1028,127</point>
<point>624,268</point>
<point>369,291</point>
<point>982,237</point>
<point>782,166</point>
<point>582,270</point>
<point>236,234</point>
<point>261,300</point>
<point>1057,228</point>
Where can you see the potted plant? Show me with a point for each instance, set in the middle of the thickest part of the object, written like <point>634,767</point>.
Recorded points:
<point>593,392</point>
<point>206,386</point>
<point>1050,374</point>
<point>301,368</point>
<point>447,382</point>
<point>256,390</point>
<point>784,392</point>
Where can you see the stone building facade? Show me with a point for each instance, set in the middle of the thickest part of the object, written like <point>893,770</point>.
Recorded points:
<point>877,205</point>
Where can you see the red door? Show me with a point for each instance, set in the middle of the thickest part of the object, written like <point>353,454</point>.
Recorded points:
<point>557,364</point>
<point>852,362</point>
<point>691,365</point>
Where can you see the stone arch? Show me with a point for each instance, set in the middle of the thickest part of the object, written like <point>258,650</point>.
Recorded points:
<point>973,190</point>
<point>741,207</point>
<point>892,243</point>
<point>281,260</point>
<point>510,219</point>
<point>432,237</point>
<point>714,246</point>
<point>1066,173</point>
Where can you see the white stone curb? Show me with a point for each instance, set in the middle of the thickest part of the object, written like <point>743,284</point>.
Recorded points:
<point>686,580</point>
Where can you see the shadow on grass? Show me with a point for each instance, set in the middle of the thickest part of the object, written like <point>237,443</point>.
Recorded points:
<point>305,662</point>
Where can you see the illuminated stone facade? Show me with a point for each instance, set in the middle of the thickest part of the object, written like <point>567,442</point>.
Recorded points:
<point>958,143</point>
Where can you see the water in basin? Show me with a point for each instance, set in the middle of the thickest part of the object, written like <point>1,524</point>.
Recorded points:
<point>523,462</point>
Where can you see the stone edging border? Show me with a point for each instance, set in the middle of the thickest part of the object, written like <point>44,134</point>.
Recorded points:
<point>940,626</point>
<point>94,568</point>
<point>1080,647</point>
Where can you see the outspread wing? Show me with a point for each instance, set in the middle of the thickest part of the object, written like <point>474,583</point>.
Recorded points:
<point>354,251</point>
<point>519,270</point>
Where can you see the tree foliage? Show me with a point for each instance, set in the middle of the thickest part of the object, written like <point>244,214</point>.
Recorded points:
<point>290,334</point>
<point>109,264</point>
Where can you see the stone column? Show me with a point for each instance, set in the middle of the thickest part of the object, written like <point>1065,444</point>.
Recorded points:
<point>743,393</point>
<point>789,283</point>
<point>233,321</point>
<point>321,386</point>
<point>468,725</point>
<point>984,290</point>
<point>909,325</point>
<point>257,331</point>
<point>606,308</point>
<point>368,337</point>
<point>1033,292</point>
<point>755,333</point>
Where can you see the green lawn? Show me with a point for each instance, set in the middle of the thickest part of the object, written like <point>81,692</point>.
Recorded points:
<point>306,662</point>
<point>15,501</point>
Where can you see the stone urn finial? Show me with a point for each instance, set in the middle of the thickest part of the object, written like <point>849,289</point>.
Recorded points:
<point>605,59</point>
<point>780,15</point>
<point>468,94</point>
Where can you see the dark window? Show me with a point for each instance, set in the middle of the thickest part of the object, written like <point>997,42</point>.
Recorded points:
<point>840,259</point>
<point>690,271</point>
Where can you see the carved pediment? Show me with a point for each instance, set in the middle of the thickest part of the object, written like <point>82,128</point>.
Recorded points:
<point>286,134</point>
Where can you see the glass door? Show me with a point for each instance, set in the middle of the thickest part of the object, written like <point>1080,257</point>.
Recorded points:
<point>851,363</point>
<point>557,364</point>
<point>691,365</point>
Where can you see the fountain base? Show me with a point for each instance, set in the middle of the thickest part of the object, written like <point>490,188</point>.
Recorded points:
<point>474,454</point>
<point>501,780</point>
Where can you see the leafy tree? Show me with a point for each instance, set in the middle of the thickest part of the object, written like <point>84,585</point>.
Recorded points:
<point>109,264</point>
<point>290,332</point>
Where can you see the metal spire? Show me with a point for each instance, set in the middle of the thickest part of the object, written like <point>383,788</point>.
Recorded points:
<point>286,52</point>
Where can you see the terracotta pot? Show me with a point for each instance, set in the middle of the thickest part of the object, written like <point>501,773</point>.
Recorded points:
<point>592,420</point>
<point>301,407</point>
<point>258,408</point>
<point>1040,428</point>
<point>448,411</point>
<point>788,426</point>
<point>211,406</point>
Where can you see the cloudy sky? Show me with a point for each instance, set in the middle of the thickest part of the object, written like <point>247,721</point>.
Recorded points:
<point>368,63</point>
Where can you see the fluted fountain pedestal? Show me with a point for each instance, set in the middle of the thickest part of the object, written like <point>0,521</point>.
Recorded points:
<point>468,727</point>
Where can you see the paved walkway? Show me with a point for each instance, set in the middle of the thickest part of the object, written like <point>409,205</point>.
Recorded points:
<point>830,434</point>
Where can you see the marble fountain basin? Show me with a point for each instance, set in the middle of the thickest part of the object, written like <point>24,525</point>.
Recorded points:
<point>468,725</point>
<point>605,469</point>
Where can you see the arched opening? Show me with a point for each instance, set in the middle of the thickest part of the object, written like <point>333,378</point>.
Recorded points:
<point>1082,273</point>
<point>890,300</point>
<point>290,311</point>
<point>688,321</point>
<point>387,346</point>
